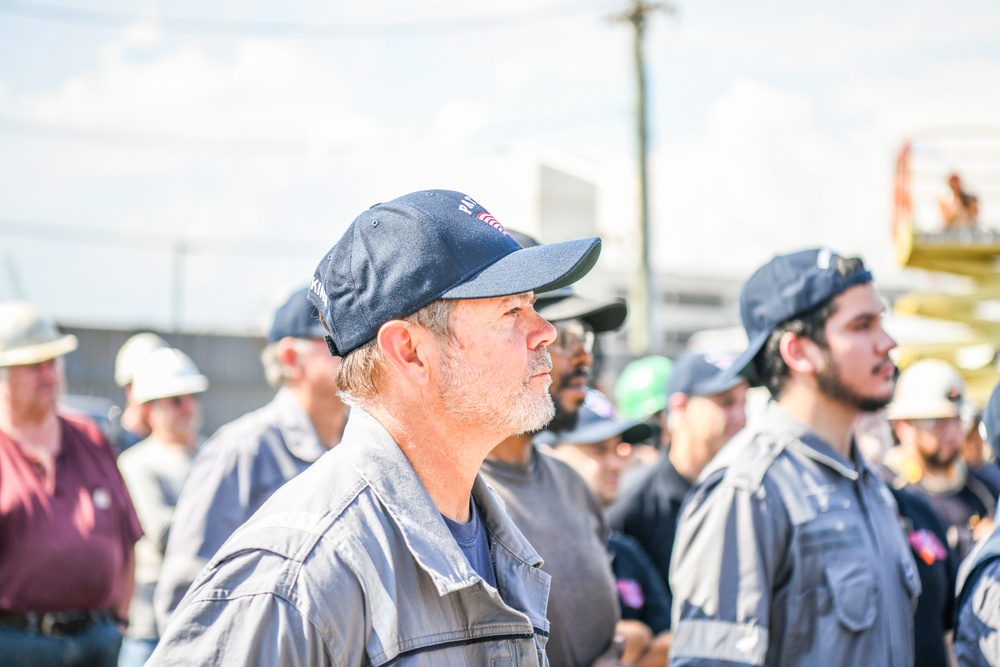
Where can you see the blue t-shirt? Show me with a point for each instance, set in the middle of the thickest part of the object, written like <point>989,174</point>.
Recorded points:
<point>475,544</point>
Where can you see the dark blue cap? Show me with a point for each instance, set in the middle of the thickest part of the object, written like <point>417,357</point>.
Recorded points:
<point>703,374</point>
<point>991,422</point>
<point>564,303</point>
<point>784,288</point>
<point>397,257</point>
<point>296,318</point>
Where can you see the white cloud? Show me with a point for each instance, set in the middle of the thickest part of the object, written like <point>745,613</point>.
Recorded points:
<point>762,178</point>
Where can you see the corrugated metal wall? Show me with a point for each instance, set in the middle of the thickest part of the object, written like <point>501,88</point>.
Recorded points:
<point>232,364</point>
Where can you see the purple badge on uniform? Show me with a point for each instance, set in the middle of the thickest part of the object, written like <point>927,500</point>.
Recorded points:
<point>927,546</point>
<point>631,593</point>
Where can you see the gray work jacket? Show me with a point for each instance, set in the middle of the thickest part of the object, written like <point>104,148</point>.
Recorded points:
<point>234,473</point>
<point>788,554</point>
<point>351,563</point>
<point>977,623</point>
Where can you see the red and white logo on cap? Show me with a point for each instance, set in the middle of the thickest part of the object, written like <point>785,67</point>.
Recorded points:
<point>492,222</point>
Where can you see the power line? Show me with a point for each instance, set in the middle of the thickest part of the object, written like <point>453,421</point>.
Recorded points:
<point>277,146</point>
<point>54,232</point>
<point>98,18</point>
<point>171,142</point>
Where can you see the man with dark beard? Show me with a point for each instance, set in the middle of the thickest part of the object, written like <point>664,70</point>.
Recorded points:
<point>552,504</point>
<point>789,550</point>
<point>925,414</point>
<point>390,549</point>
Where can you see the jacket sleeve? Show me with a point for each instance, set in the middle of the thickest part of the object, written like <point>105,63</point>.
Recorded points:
<point>245,610</point>
<point>728,557</point>
<point>261,630</point>
<point>977,639</point>
<point>210,508</point>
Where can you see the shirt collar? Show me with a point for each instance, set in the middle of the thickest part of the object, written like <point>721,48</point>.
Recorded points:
<point>378,459</point>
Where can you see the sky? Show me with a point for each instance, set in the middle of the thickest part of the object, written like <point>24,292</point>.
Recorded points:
<point>185,164</point>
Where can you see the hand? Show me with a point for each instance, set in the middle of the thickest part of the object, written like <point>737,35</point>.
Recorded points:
<point>637,637</point>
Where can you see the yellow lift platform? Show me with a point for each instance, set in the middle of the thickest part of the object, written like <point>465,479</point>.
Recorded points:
<point>970,252</point>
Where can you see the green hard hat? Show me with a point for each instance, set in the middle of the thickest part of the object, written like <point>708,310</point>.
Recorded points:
<point>641,388</point>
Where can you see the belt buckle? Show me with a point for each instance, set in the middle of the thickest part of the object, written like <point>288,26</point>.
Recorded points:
<point>47,625</point>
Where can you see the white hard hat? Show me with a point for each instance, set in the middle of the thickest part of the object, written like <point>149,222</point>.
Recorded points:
<point>166,372</point>
<point>927,389</point>
<point>26,338</point>
<point>129,354</point>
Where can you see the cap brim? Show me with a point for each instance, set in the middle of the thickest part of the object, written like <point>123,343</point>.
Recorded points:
<point>34,354</point>
<point>940,408</point>
<point>195,384</point>
<point>742,367</point>
<point>537,269</point>
<point>315,332</point>
<point>601,316</point>
<point>604,429</point>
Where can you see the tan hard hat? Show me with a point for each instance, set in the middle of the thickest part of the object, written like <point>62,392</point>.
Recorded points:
<point>27,338</point>
<point>927,389</point>
<point>164,373</point>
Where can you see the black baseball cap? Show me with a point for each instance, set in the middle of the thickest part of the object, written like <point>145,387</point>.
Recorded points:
<point>592,427</point>
<point>399,256</point>
<point>784,288</point>
<point>703,374</point>
<point>296,318</point>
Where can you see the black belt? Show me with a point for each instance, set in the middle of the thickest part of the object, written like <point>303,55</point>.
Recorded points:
<point>54,623</point>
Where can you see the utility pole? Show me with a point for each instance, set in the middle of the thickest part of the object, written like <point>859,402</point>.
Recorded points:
<point>644,298</point>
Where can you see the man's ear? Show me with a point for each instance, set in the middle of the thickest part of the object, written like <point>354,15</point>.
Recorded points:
<point>289,356</point>
<point>677,402</point>
<point>405,347</point>
<point>799,353</point>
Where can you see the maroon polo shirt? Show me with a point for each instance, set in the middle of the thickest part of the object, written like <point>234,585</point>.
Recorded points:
<point>65,548</point>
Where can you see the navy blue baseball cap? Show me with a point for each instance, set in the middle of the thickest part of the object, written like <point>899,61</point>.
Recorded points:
<point>296,318</point>
<point>784,288</point>
<point>565,304</point>
<point>989,426</point>
<point>703,374</point>
<point>399,256</point>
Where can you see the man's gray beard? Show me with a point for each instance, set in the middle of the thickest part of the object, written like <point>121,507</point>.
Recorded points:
<point>472,397</point>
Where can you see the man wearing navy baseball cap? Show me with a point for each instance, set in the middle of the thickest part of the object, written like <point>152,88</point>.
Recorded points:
<point>391,548</point>
<point>705,409</point>
<point>789,550</point>
<point>246,460</point>
<point>977,622</point>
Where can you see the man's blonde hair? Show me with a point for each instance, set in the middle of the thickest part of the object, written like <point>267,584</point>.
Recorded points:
<point>360,373</point>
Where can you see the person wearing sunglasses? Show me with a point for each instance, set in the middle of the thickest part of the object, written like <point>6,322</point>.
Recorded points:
<point>166,384</point>
<point>926,417</point>
<point>550,503</point>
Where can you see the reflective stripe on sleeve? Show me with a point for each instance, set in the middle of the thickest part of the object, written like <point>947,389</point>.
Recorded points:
<point>741,643</point>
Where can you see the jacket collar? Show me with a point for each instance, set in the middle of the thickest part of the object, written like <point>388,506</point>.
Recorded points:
<point>378,459</point>
<point>803,440</point>
<point>296,428</point>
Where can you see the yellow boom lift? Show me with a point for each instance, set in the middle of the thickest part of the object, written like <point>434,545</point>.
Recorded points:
<point>970,299</point>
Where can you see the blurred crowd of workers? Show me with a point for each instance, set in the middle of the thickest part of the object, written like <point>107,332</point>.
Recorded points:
<point>849,521</point>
